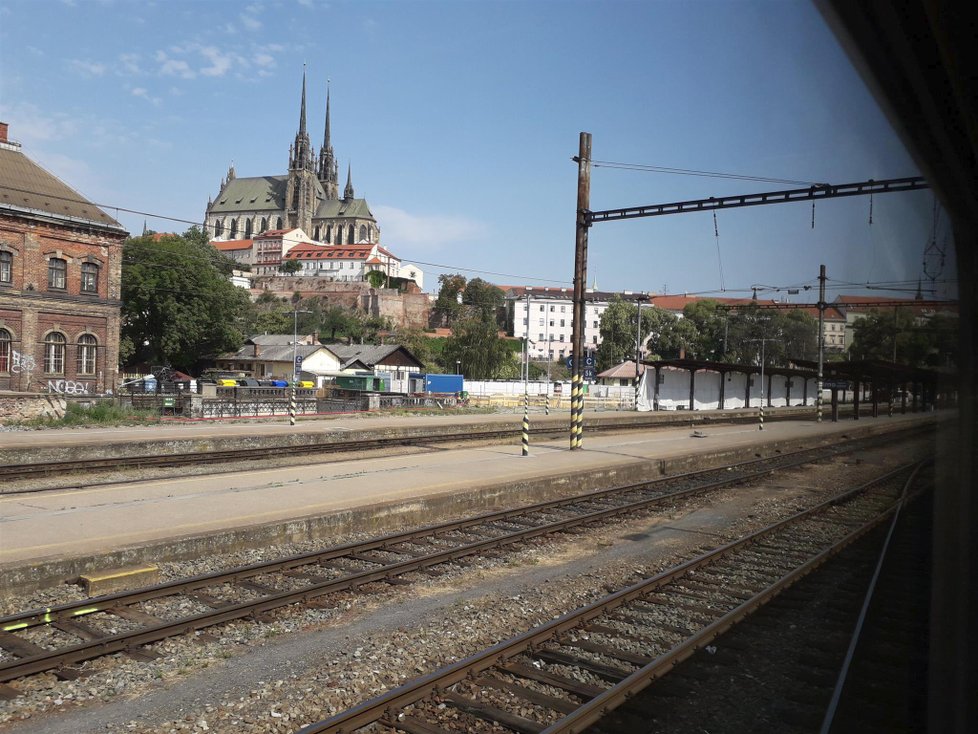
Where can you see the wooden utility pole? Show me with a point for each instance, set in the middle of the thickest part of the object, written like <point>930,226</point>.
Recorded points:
<point>583,159</point>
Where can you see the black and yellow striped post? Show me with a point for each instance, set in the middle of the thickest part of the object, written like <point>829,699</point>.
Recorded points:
<point>526,424</point>
<point>546,401</point>
<point>577,412</point>
<point>292,405</point>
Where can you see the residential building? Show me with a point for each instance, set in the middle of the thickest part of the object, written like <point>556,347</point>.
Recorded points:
<point>270,249</point>
<point>343,262</point>
<point>392,359</point>
<point>545,316</point>
<point>241,251</point>
<point>270,356</point>
<point>60,282</point>
<point>307,197</point>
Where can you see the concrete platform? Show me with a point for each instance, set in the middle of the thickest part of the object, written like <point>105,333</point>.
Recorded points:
<point>22,447</point>
<point>56,536</point>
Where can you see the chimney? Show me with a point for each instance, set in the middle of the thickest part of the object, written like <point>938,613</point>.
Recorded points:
<point>3,132</point>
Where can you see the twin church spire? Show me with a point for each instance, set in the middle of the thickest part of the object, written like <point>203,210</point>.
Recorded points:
<point>302,154</point>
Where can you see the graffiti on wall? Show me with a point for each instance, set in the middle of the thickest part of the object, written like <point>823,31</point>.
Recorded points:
<point>21,362</point>
<point>68,387</point>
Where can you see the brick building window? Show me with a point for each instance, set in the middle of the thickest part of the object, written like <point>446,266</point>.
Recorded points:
<point>6,267</point>
<point>57,273</point>
<point>54,353</point>
<point>89,278</point>
<point>4,350</point>
<point>87,351</point>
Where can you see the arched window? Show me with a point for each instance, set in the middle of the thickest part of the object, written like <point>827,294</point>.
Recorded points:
<point>234,229</point>
<point>54,353</point>
<point>57,273</point>
<point>6,267</point>
<point>278,223</point>
<point>363,232</point>
<point>329,233</point>
<point>264,224</point>
<point>4,350</point>
<point>87,351</point>
<point>89,277</point>
<point>218,228</point>
<point>247,234</point>
<point>315,235</point>
<point>349,235</point>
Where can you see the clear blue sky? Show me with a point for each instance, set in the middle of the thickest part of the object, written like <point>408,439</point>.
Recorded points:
<point>460,119</point>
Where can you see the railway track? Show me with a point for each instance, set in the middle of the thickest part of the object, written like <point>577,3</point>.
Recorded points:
<point>844,649</point>
<point>566,675</point>
<point>321,450</point>
<point>58,638</point>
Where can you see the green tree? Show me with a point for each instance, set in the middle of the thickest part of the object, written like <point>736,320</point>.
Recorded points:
<point>903,333</point>
<point>178,306</point>
<point>483,354</point>
<point>663,334</point>
<point>485,301</point>
<point>711,321</point>
<point>290,267</point>
<point>448,307</point>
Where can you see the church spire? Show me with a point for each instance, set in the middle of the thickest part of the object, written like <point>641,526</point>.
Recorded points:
<point>301,156</point>
<point>302,113</point>
<point>348,191</point>
<point>328,172</point>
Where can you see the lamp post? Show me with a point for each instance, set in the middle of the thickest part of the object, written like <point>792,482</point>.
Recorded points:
<point>458,366</point>
<point>638,345</point>
<point>762,340</point>
<point>295,361</point>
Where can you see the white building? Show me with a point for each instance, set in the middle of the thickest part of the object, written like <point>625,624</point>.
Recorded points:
<point>343,262</point>
<point>546,316</point>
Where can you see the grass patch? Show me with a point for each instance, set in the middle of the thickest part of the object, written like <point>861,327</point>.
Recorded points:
<point>103,413</point>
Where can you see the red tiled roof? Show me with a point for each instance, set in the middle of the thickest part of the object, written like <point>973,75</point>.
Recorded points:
<point>233,245</point>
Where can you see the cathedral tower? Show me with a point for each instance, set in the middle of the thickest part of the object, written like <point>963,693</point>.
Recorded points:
<point>300,193</point>
<point>328,169</point>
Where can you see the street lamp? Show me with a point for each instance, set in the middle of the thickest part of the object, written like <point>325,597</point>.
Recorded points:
<point>458,366</point>
<point>638,339</point>
<point>295,360</point>
<point>762,340</point>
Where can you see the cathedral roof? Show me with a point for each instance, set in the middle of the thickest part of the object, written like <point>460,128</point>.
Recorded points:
<point>258,193</point>
<point>350,208</point>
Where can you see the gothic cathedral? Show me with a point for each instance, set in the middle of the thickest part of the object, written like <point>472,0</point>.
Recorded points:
<point>307,197</point>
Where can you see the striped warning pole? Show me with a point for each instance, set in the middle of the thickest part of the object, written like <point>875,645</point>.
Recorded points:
<point>292,405</point>
<point>573,418</point>
<point>526,424</point>
<point>761,414</point>
<point>546,401</point>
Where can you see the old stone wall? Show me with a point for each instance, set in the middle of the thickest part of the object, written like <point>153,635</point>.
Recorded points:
<point>24,406</point>
<point>409,309</point>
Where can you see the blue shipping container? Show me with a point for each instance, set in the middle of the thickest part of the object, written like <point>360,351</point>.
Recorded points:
<point>443,383</point>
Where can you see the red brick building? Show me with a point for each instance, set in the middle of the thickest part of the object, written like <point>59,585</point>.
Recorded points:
<point>60,281</point>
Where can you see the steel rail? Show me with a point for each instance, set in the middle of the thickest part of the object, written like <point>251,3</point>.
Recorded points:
<point>72,610</point>
<point>383,709</point>
<point>128,641</point>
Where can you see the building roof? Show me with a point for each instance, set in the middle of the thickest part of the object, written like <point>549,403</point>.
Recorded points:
<point>372,355</point>
<point>311,251</point>
<point>257,193</point>
<point>28,189</point>
<point>337,208</point>
<point>625,370</point>
<point>232,245</point>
